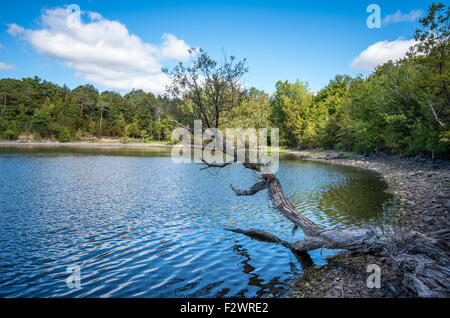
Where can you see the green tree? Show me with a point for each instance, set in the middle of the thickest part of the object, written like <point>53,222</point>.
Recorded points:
<point>132,130</point>
<point>211,88</point>
<point>290,111</point>
<point>253,112</point>
<point>64,134</point>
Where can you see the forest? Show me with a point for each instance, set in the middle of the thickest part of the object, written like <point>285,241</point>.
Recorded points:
<point>402,108</point>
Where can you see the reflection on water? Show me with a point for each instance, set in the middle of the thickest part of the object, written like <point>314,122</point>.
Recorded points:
<point>140,226</point>
<point>333,195</point>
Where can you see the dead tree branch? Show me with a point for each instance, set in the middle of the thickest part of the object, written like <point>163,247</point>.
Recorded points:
<point>424,261</point>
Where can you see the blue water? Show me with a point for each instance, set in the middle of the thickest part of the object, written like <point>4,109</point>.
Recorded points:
<point>137,225</point>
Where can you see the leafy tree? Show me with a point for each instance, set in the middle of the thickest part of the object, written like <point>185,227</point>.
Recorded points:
<point>64,134</point>
<point>86,97</point>
<point>431,54</point>
<point>211,88</point>
<point>291,110</point>
<point>42,118</point>
<point>132,130</point>
<point>252,113</point>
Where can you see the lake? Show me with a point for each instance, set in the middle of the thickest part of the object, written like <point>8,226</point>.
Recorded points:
<point>138,225</point>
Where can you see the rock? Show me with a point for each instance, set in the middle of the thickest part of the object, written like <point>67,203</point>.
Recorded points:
<point>427,219</point>
<point>334,155</point>
<point>394,290</point>
<point>446,204</point>
<point>443,195</point>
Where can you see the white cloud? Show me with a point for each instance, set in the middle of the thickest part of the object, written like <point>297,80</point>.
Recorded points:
<point>398,16</point>
<point>173,48</point>
<point>380,53</point>
<point>5,67</point>
<point>103,51</point>
<point>15,29</point>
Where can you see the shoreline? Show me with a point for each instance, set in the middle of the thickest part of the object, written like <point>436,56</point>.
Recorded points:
<point>421,190</point>
<point>82,144</point>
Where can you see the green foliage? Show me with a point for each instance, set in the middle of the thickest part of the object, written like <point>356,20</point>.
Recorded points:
<point>291,111</point>
<point>42,108</point>
<point>253,112</point>
<point>132,130</point>
<point>11,132</point>
<point>211,88</point>
<point>10,135</point>
<point>64,134</point>
<point>78,135</point>
<point>402,108</point>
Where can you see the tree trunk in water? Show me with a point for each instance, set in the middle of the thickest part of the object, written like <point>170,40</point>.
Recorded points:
<point>423,260</point>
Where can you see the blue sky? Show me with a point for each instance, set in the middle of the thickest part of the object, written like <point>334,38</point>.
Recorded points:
<point>282,40</point>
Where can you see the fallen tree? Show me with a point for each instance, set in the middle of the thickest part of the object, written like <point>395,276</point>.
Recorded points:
<point>422,260</point>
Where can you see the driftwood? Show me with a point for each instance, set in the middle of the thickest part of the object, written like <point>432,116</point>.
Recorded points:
<point>422,260</point>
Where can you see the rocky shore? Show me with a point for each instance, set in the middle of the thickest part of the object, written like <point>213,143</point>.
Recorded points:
<point>421,189</point>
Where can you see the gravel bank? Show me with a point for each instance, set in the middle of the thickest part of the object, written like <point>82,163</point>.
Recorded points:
<point>422,190</point>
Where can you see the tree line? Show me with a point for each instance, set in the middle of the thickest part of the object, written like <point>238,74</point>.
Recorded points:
<point>401,108</point>
<point>48,111</point>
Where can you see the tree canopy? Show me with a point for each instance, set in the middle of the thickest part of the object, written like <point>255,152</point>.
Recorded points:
<point>401,108</point>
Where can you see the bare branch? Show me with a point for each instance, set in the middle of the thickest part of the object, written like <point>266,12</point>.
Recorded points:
<point>181,125</point>
<point>253,190</point>
<point>213,165</point>
<point>435,115</point>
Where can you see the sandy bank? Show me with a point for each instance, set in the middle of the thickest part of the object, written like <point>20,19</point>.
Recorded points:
<point>83,144</point>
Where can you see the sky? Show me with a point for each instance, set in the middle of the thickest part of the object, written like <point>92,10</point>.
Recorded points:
<point>122,45</point>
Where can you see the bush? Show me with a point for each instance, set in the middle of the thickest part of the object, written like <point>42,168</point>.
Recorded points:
<point>3,125</point>
<point>78,135</point>
<point>64,135</point>
<point>10,135</point>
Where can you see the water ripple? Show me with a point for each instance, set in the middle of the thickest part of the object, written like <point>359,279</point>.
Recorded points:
<point>140,226</point>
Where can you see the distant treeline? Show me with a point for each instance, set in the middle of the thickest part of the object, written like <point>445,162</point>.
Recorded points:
<point>48,111</point>
<point>402,108</point>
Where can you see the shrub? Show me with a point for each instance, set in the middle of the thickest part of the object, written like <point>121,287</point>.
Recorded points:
<point>64,135</point>
<point>78,135</point>
<point>10,135</point>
